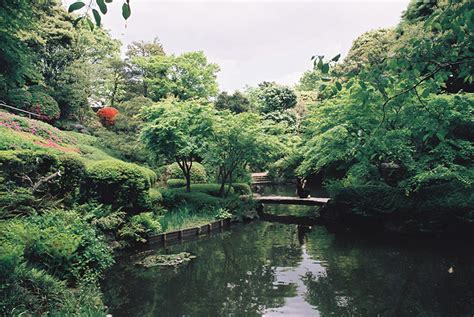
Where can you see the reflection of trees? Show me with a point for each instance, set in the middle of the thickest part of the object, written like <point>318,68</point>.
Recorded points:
<point>234,273</point>
<point>366,278</point>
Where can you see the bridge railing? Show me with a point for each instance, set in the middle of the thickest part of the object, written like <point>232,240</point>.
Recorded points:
<point>4,105</point>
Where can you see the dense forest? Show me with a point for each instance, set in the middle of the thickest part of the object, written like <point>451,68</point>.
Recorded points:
<point>118,148</point>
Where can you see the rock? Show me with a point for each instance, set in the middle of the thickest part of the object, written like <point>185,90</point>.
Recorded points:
<point>166,259</point>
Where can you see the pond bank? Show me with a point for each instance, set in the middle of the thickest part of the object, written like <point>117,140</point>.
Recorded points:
<point>272,269</point>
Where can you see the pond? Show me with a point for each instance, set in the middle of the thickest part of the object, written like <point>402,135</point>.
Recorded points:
<point>274,269</point>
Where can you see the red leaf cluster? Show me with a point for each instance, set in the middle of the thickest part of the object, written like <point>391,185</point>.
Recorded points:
<point>107,115</point>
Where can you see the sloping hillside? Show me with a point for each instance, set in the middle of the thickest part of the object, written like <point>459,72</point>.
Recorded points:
<point>22,133</point>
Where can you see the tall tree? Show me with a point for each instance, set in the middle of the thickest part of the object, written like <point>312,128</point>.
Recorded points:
<point>136,51</point>
<point>237,141</point>
<point>178,131</point>
<point>269,97</point>
<point>237,102</point>
<point>186,76</point>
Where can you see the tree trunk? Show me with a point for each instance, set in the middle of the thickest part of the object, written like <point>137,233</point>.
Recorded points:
<point>222,176</point>
<point>188,182</point>
<point>230,184</point>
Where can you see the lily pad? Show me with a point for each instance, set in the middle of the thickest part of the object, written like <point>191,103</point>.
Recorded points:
<point>166,259</point>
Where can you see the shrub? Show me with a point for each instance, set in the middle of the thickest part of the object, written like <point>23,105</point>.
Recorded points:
<point>176,183</point>
<point>371,200</point>
<point>150,175</point>
<point>156,198</point>
<point>140,227</point>
<point>20,98</point>
<point>73,173</point>
<point>16,202</point>
<point>118,184</point>
<point>198,172</point>
<point>107,115</point>
<point>242,189</point>
<point>44,105</point>
<point>26,167</point>
<point>64,250</point>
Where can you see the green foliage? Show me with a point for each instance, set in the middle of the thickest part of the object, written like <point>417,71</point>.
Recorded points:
<point>178,131</point>
<point>186,216</point>
<point>16,202</point>
<point>117,183</point>
<point>237,141</point>
<point>176,183</point>
<point>419,9</point>
<point>270,97</point>
<point>210,189</point>
<point>368,50</point>
<point>237,102</point>
<point>198,172</point>
<point>198,200</point>
<point>41,254</point>
<point>155,198</point>
<point>389,127</point>
<point>222,213</point>
<point>140,227</point>
<point>186,76</point>
<point>73,173</point>
<point>19,98</point>
<point>44,105</point>
<point>242,189</point>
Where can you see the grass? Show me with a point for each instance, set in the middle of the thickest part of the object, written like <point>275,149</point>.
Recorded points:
<point>184,217</point>
<point>29,134</point>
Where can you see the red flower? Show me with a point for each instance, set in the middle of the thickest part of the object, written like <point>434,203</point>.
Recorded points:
<point>107,115</point>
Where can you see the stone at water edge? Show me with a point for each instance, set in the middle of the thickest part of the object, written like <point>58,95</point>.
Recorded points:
<point>165,259</point>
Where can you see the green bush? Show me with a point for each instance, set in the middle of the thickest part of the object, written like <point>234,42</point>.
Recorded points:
<point>242,189</point>
<point>20,98</point>
<point>176,183</point>
<point>155,197</point>
<point>25,167</point>
<point>16,202</point>
<point>371,200</point>
<point>44,105</point>
<point>118,184</point>
<point>198,172</point>
<point>63,249</point>
<point>140,227</point>
<point>73,173</point>
<point>22,167</point>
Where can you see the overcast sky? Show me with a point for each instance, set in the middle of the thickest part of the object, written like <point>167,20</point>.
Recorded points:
<point>253,41</point>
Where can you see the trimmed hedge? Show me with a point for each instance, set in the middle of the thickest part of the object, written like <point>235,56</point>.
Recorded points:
<point>198,200</point>
<point>242,189</point>
<point>176,183</point>
<point>156,198</point>
<point>210,189</point>
<point>119,184</point>
<point>15,166</point>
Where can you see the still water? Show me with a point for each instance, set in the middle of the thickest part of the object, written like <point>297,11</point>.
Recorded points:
<point>274,269</point>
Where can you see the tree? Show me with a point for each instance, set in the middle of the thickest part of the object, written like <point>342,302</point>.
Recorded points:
<point>137,50</point>
<point>186,76</point>
<point>237,102</point>
<point>178,131</point>
<point>269,97</point>
<point>237,141</point>
<point>116,79</point>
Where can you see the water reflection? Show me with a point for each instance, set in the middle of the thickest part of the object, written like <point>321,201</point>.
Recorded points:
<point>275,269</point>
